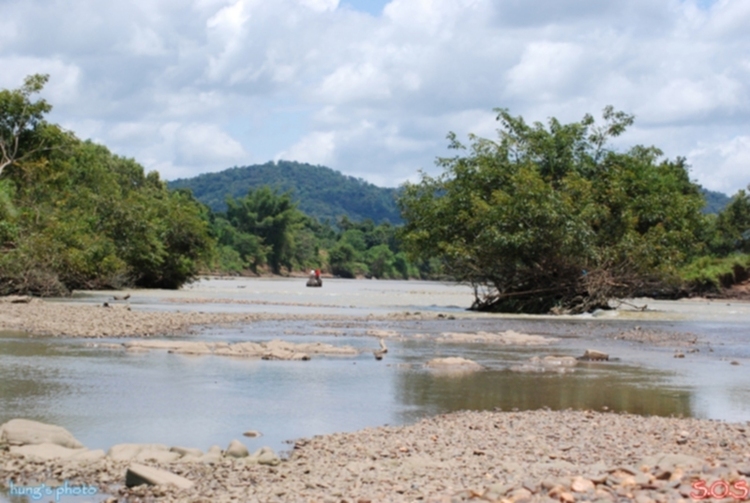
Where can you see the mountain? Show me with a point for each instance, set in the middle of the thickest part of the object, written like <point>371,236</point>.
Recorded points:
<point>715,201</point>
<point>319,191</point>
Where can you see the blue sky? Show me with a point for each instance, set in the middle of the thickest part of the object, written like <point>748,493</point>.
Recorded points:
<point>371,88</point>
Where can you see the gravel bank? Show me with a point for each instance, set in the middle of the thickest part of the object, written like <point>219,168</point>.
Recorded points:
<point>479,456</point>
<point>117,319</point>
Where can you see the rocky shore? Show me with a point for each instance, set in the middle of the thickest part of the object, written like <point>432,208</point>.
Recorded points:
<point>467,456</point>
<point>38,317</point>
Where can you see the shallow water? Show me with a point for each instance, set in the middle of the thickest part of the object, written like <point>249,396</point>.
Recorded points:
<point>106,397</point>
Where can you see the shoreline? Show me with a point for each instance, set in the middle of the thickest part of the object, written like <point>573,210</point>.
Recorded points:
<point>536,455</point>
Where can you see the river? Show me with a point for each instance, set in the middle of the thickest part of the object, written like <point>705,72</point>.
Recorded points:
<point>106,397</point>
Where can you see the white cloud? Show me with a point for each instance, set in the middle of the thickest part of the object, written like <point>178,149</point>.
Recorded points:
<point>723,166</point>
<point>183,87</point>
<point>315,148</point>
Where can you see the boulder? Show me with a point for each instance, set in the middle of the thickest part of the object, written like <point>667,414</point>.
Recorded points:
<point>282,354</point>
<point>27,432</point>
<point>252,433</point>
<point>669,462</point>
<point>266,456</point>
<point>236,449</point>
<point>157,455</point>
<point>558,361</point>
<point>594,355</point>
<point>187,451</point>
<point>45,452</point>
<point>453,364</point>
<point>193,348</point>
<point>87,456</point>
<point>138,474</point>
<point>313,281</point>
<point>127,452</point>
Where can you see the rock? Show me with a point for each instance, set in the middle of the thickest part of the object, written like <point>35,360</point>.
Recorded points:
<point>315,282</point>
<point>266,456</point>
<point>594,355</point>
<point>550,363</point>
<point>128,452</point>
<point>87,456</point>
<point>679,355</point>
<point>187,451</point>
<point>193,348</point>
<point>581,485</point>
<point>669,462</point>
<point>382,333</point>
<point>27,432</point>
<point>282,354</point>
<point>236,450</point>
<point>45,451</point>
<point>157,455</point>
<point>453,364</point>
<point>509,337</point>
<point>559,361</point>
<point>252,433</point>
<point>138,474</point>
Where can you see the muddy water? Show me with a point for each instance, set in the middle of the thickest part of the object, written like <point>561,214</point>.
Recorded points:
<point>109,396</point>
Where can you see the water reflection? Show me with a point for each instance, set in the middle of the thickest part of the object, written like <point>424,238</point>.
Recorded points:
<point>628,390</point>
<point>105,397</point>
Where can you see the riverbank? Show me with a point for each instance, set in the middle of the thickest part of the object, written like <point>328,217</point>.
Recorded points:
<point>480,456</point>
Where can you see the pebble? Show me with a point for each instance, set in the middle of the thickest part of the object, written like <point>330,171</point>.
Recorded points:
<point>434,460</point>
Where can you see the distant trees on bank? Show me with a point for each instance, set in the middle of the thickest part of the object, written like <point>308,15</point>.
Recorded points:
<point>543,218</point>
<point>549,218</point>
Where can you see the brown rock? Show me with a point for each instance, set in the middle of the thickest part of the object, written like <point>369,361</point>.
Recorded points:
<point>581,485</point>
<point>27,432</point>
<point>138,474</point>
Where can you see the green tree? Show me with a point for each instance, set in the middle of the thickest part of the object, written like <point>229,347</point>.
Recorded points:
<point>272,217</point>
<point>23,129</point>
<point>73,215</point>
<point>732,226</point>
<point>547,217</point>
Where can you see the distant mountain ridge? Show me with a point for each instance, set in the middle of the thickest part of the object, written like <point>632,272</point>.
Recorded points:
<point>319,191</point>
<point>715,201</point>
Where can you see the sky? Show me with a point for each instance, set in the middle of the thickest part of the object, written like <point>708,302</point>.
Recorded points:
<point>371,88</point>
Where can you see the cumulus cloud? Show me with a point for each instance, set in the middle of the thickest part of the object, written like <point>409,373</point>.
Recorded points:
<point>723,166</point>
<point>183,87</point>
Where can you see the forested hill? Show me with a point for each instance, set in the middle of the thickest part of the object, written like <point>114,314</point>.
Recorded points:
<point>319,191</point>
<point>715,201</point>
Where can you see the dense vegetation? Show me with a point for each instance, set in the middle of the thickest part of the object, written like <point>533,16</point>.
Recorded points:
<point>73,215</point>
<point>549,218</point>
<point>320,192</point>
<point>543,218</point>
<point>266,231</point>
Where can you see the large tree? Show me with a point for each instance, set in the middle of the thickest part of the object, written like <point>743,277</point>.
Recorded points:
<point>73,215</point>
<point>23,129</point>
<point>549,218</point>
<point>272,217</point>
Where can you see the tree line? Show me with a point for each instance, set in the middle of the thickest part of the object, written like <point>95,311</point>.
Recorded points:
<point>75,216</point>
<point>546,217</point>
<point>550,218</point>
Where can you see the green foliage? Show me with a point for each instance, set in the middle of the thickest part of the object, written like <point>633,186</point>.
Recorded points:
<point>273,218</point>
<point>73,215</point>
<point>547,217</point>
<point>320,192</point>
<point>710,274</point>
<point>22,124</point>
<point>731,227</point>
